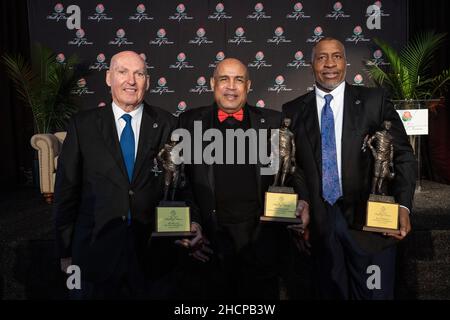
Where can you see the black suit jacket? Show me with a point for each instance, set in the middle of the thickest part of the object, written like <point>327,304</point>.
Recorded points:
<point>364,111</point>
<point>93,194</point>
<point>201,176</point>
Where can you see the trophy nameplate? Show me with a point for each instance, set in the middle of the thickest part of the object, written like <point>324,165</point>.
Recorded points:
<point>173,219</point>
<point>382,214</point>
<point>280,205</point>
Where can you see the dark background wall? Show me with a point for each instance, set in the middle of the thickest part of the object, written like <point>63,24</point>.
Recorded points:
<point>18,17</point>
<point>298,25</point>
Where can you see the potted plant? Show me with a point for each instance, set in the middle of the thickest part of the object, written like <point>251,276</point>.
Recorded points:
<point>45,85</point>
<point>408,76</point>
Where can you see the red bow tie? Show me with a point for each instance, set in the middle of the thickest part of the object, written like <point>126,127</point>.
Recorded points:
<point>238,115</point>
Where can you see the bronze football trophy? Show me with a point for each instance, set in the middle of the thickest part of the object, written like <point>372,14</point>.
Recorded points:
<point>382,211</point>
<point>172,217</point>
<point>281,201</point>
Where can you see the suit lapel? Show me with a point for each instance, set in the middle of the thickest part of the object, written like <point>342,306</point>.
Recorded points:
<point>207,119</point>
<point>312,128</point>
<point>350,140</point>
<point>149,131</point>
<point>257,122</point>
<point>107,126</point>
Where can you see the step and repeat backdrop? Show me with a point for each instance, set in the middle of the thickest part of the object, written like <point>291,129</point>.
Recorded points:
<point>182,41</point>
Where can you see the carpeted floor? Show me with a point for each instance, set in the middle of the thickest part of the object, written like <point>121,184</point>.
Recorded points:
<point>29,269</point>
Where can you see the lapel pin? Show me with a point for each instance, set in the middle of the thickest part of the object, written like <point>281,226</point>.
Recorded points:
<point>263,120</point>
<point>155,125</point>
<point>357,101</point>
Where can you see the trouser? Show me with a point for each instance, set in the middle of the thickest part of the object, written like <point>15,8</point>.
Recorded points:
<point>345,271</point>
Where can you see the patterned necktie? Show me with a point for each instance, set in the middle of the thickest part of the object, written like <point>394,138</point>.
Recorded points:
<point>127,145</point>
<point>331,189</point>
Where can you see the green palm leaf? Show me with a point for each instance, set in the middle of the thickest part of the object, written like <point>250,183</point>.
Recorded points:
<point>46,86</point>
<point>408,75</point>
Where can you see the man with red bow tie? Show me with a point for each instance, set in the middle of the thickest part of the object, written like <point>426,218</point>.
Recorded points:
<point>239,258</point>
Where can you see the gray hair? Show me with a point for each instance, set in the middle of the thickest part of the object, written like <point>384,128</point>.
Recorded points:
<point>313,50</point>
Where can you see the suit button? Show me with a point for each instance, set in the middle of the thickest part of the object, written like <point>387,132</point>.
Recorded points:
<point>131,193</point>
<point>124,218</point>
<point>214,211</point>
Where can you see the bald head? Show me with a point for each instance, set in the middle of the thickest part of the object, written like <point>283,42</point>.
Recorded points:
<point>126,55</point>
<point>230,62</point>
<point>231,85</point>
<point>128,79</point>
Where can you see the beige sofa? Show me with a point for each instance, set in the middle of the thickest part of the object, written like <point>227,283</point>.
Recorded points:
<point>48,147</point>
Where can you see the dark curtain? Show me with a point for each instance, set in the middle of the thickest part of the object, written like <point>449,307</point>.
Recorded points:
<point>16,121</point>
<point>432,15</point>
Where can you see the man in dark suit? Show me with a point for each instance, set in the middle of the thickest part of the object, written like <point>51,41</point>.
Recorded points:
<point>246,258</point>
<point>330,125</point>
<point>108,184</point>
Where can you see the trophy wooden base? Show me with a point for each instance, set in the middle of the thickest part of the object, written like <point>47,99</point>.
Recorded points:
<point>173,234</point>
<point>281,219</point>
<point>280,206</point>
<point>382,214</point>
<point>173,219</point>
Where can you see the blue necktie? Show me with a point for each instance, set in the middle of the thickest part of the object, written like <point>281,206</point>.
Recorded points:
<point>331,189</point>
<point>128,146</point>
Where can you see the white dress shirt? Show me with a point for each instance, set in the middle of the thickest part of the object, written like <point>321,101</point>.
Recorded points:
<point>136,118</point>
<point>337,105</point>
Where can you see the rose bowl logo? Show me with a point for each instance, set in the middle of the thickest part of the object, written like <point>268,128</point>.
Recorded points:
<point>260,104</point>
<point>201,81</point>
<point>279,31</point>
<point>279,80</point>
<point>239,32</point>
<point>358,79</point>
<point>140,8</point>
<point>120,33</point>
<point>60,58</point>
<point>259,55</point>
<point>162,82</point>
<point>59,8</point>
<point>220,56</point>
<point>377,54</point>
<point>101,104</point>
<point>201,32</point>
<point>357,30</point>
<point>81,83</point>
<point>220,7</point>
<point>181,57</point>
<point>161,33</point>
<point>259,7</point>
<point>80,33</point>
<point>181,8</point>
<point>337,6</point>
<point>318,31</point>
<point>101,57</point>
<point>100,8</point>
<point>406,116</point>
<point>181,106</point>
<point>298,55</point>
<point>298,7</point>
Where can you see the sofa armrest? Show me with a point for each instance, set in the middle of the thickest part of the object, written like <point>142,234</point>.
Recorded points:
<point>48,146</point>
